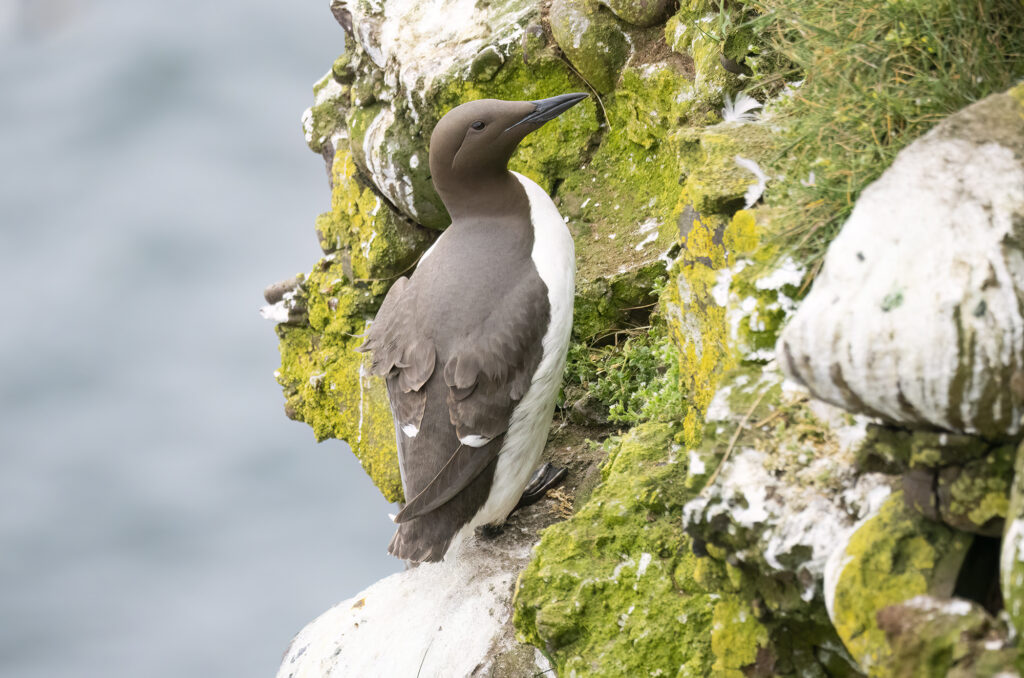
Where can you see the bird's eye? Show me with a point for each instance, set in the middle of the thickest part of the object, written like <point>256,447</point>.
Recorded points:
<point>478,125</point>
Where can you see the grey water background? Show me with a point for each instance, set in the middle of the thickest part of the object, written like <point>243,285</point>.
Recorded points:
<point>159,516</point>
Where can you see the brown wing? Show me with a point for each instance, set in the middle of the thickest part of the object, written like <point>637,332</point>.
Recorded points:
<point>486,373</point>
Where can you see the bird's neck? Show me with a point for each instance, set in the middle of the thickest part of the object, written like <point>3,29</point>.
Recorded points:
<point>483,196</point>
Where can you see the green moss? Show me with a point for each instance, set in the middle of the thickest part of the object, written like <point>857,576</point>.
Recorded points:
<point>325,381</point>
<point>736,636</point>
<point>380,244</point>
<point>620,202</point>
<point>891,558</point>
<point>715,182</point>
<point>327,114</point>
<point>610,592</point>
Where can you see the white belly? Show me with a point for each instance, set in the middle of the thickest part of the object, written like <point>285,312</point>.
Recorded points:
<point>555,259</point>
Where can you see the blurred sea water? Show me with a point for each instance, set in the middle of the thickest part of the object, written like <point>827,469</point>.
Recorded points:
<point>159,515</point>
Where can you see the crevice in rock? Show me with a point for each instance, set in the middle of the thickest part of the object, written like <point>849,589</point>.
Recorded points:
<point>978,579</point>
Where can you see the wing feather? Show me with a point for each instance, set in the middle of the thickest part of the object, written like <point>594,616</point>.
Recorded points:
<point>480,378</point>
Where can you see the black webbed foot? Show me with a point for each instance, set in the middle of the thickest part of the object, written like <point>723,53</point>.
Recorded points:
<point>489,531</point>
<point>543,479</point>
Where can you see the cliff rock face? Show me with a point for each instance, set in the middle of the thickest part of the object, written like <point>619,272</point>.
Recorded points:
<point>829,503</point>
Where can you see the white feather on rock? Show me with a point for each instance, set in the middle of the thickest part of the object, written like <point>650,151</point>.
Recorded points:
<point>740,109</point>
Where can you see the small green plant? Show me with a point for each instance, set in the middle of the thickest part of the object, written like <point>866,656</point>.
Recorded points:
<point>633,380</point>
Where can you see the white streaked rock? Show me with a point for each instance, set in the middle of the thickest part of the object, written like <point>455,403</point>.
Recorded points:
<point>916,316</point>
<point>451,618</point>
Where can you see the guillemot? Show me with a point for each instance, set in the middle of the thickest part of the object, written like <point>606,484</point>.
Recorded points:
<point>472,345</point>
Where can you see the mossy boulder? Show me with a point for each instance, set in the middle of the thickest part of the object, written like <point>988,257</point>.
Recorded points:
<point>638,12</point>
<point>961,480</point>
<point>592,38</point>
<point>929,636</point>
<point>888,560</point>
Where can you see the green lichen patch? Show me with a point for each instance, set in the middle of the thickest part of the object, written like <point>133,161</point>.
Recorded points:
<point>891,558</point>
<point>696,320</point>
<point>610,592</point>
<point>380,244</point>
<point>325,381</point>
<point>715,234</point>
<point>975,497</point>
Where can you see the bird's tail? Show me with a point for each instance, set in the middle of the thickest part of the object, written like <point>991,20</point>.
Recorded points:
<point>411,542</point>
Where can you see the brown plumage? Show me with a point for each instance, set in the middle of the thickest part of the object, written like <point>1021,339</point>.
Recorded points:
<point>459,342</point>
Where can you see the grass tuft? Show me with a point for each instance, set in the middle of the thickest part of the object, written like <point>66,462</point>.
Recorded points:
<point>874,77</point>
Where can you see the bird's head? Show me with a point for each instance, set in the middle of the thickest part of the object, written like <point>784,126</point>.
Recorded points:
<point>474,142</point>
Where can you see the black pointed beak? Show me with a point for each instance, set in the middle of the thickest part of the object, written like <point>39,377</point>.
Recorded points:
<point>551,108</point>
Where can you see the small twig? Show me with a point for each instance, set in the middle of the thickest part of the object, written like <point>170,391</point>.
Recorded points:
<point>732,441</point>
<point>593,89</point>
<point>635,308</point>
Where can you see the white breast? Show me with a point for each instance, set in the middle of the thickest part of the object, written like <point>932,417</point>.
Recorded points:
<point>554,256</point>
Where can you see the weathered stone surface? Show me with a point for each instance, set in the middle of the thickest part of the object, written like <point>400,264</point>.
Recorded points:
<point>955,638</point>
<point>591,38</point>
<point>787,491</point>
<point>890,558</point>
<point>638,12</point>
<point>916,315</point>
<point>437,619</point>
